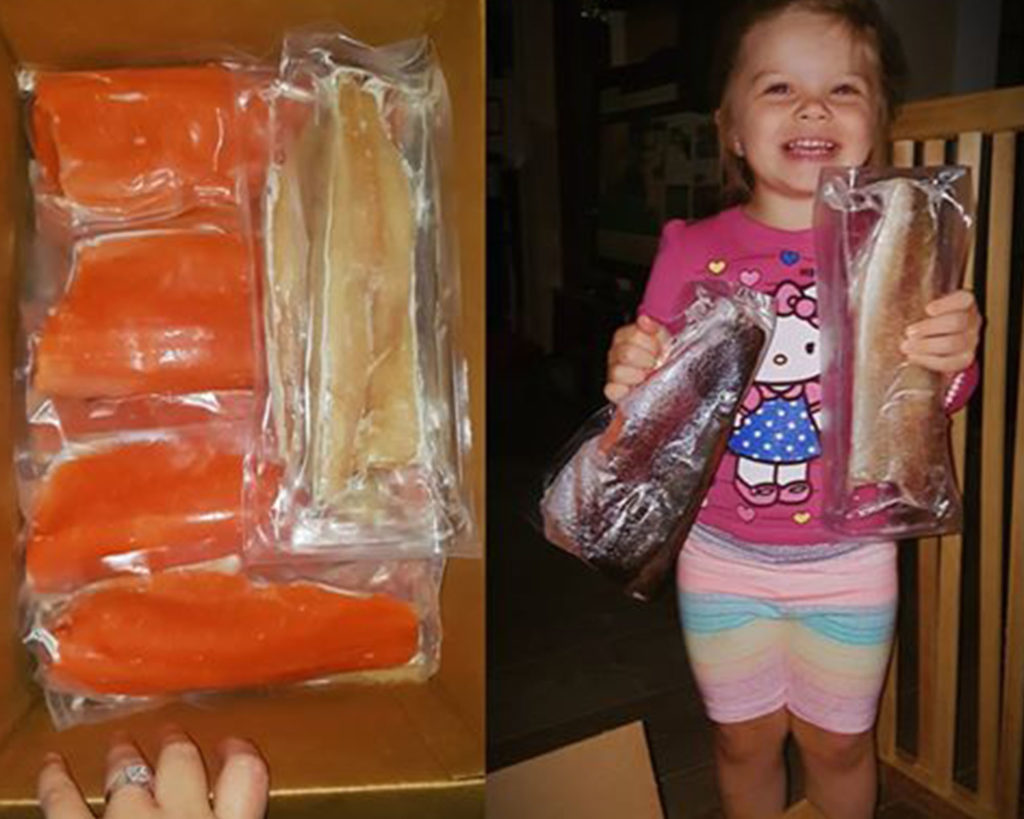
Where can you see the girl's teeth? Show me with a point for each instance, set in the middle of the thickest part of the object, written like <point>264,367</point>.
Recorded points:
<point>810,145</point>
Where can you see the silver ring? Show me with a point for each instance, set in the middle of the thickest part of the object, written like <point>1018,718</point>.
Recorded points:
<point>134,773</point>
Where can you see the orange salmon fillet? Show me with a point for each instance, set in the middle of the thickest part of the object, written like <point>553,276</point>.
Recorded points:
<point>147,141</point>
<point>194,631</point>
<point>151,312</point>
<point>142,506</point>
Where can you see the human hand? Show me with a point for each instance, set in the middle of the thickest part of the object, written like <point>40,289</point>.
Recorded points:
<point>178,789</point>
<point>635,350</point>
<point>947,340</point>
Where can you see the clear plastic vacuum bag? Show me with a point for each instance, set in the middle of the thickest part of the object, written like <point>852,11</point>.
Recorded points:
<point>130,503</point>
<point>56,422</point>
<point>628,495</point>
<point>165,310</point>
<point>137,642</point>
<point>125,144</point>
<point>366,423</point>
<point>889,242</point>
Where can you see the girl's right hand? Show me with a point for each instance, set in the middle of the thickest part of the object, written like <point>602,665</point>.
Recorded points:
<point>634,352</point>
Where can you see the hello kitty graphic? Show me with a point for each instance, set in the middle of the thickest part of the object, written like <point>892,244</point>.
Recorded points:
<point>776,435</point>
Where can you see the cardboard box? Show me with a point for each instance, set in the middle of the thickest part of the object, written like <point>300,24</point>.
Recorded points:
<point>356,750</point>
<point>608,776</point>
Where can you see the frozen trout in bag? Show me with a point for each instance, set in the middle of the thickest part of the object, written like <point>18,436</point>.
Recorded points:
<point>627,498</point>
<point>890,242</point>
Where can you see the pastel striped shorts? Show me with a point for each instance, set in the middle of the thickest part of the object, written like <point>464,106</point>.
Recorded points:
<point>805,628</point>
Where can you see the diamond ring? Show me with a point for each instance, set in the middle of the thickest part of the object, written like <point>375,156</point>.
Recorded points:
<point>134,773</point>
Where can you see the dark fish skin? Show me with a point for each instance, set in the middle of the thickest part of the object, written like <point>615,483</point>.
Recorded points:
<point>627,499</point>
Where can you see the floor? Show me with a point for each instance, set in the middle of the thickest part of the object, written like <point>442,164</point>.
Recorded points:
<point>568,655</point>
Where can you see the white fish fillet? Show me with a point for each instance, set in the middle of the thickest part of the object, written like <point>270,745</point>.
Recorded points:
<point>390,435</point>
<point>363,404</point>
<point>286,314</point>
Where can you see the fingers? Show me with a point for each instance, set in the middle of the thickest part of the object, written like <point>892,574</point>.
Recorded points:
<point>241,791</point>
<point>651,327</point>
<point>626,375</point>
<point>945,324</point>
<point>632,355</point>
<point>634,352</point>
<point>958,300</point>
<point>632,336</point>
<point>946,341</point>
<point>244,783</point>
<point>58,794</point>
<point>939,345</point>
<point>943,363</point>
<point>126,799</point>
<point>181,785</point>
<point>615,392</point>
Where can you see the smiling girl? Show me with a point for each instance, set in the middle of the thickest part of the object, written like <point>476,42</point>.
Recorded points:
<point>788,631</point>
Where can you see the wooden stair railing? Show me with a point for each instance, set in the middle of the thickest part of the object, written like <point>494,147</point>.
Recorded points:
<point>981,131</point>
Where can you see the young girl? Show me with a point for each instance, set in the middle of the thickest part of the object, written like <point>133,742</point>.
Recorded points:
<point>786,629</point>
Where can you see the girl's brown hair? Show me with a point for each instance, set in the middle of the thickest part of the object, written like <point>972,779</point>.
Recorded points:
<point>864,20</point>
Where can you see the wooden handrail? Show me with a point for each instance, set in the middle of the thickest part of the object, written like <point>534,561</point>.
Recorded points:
<point>946,117</point>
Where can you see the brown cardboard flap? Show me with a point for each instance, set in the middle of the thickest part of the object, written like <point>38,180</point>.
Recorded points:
<point>605,777</point>
<point>14,695</point>
<point>342,738</point>
<point>61,34</point>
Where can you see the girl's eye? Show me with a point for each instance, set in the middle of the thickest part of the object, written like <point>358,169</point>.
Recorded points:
<point>845,89</point>
<point>777,88</point>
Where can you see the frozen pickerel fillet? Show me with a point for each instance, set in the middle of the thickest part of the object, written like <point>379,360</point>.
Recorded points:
<point>285,314</point>
<point>353,224</point>
<point>899,427</point>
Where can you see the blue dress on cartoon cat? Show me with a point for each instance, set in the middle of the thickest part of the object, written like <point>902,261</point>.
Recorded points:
<point>776,435</point>
<point>780,430</point>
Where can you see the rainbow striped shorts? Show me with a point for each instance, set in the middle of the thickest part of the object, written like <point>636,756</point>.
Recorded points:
<point>808,629</point>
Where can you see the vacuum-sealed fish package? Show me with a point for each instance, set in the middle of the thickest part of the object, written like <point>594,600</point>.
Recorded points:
<point>629,493</point>
<point>366,421</point>
<point>136,642</point>
<point>126,144</point>
<point>157,311</point>
<point>131,504</point>
<point>890,241</point>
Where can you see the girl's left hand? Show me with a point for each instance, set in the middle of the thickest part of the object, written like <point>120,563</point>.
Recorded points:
<point>946,341</point>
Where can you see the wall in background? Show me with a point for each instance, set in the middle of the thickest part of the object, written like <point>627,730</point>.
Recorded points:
<point>951,45</point>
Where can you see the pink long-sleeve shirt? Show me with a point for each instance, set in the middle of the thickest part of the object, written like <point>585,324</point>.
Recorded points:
<point>768,487</point>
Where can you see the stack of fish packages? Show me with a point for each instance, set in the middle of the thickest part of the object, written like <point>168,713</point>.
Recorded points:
<point>242,458</point>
